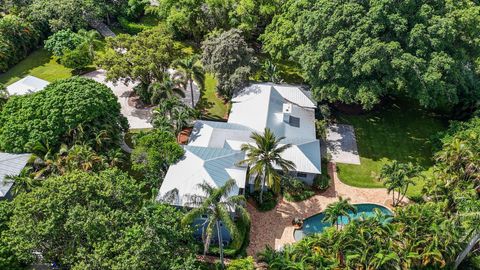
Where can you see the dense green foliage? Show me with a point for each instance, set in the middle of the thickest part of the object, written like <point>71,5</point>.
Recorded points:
<point>426,235</point>
<point>359,51</point>
<point>62,41</point>
<point>98,221</point>
<point>68,14</point>
<point>66,111</point>
<point>145,58</point>
<point>195,19</point>
<point>154,152</point>
<point>8,260</point>
<point>242,264</point>
<point>229,57</point>
<point>296,190</point>
<point>17,39</point>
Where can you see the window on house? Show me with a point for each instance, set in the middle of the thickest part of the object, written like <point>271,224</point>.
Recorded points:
<point>294,121</point>
<point>301,175</point>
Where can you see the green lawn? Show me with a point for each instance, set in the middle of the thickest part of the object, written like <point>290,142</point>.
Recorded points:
<point>398,131</point>
<point>39,63</point>
<point>212,107</point>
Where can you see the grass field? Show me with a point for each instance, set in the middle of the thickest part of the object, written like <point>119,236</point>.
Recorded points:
<point>212,107</point>
<point>398,131</point>
<point>39,63</point>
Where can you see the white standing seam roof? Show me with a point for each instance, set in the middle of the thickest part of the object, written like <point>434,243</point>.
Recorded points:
<point>212,165</point>
<point>27,85</point>
<point>213,151</point>
<point>10,165</point>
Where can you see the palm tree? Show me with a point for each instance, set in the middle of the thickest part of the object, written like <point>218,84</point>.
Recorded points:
<point>171,113</point>
<point>217,205</point>
<point>190,70</point>
<point>264,157</point>
<point>272,74</point>
<point>397,177</point>
<point>165,89</point>
<point>91,39</point>
<point>338,209</point>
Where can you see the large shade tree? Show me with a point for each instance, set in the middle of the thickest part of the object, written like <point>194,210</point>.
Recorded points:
<point>360,51</point>
<point>217,205</point>
<point>98,221</point>
<point>144,58</point>
<point>228,56</point>
<point>66,111</point>
<point>264,159</point>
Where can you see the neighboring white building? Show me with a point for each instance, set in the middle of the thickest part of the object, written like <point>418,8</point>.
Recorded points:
<point>27,85</point>
<point>287,110</point>
<point>10,165</point>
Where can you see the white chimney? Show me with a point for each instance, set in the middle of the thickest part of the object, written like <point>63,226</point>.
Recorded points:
<point>287,110</point>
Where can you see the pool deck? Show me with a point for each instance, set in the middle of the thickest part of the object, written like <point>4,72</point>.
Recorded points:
<point>274,228</point>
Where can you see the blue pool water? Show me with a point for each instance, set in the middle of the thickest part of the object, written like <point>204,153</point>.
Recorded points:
<point>315,224</point>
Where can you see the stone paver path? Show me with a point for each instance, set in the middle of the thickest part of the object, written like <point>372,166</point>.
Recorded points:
<point>274,228</point>
<point>137,118</point>
<point>342,145</point>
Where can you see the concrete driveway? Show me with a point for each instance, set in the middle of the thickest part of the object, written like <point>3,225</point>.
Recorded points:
<point>342,144</point>
<point>137,118</point>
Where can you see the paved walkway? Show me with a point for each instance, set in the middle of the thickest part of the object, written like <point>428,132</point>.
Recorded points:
<point>137,118</point>
<point>274,228</point>
<point>342,145</point>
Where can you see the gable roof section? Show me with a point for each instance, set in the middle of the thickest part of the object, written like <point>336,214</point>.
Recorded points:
<point>27,85</point>
<point>212,165</point>
<point>215,134</point>
<point>10,165</point>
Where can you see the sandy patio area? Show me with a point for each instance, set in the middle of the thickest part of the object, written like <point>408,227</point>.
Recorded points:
<point>274,228</point>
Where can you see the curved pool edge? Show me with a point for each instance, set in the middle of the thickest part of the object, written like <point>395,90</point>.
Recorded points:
<point>371,203</point>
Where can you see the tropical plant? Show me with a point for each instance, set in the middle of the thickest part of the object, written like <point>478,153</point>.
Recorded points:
<point>217,205</point>
<point>271,72</point>
<point>264,157</point>
<point>337,210</point>
<point>24,182</point>
<point>191,71</point>
<point>173,115</point>
<point>167,88</point>
<point>397,177</point>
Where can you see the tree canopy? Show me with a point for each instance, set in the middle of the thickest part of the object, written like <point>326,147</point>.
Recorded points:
<point>195,19</point>
<point>98,221</point>
<point>66,111</point>
<point>360,51</point>
<point>228,56</point>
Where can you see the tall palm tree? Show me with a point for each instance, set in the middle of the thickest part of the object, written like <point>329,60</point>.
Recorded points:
<point>264,157</point>
<point>397,177</point>
<point>165,89</point>
<point>217,205</point>
<point>335,210</point>
<point>190,70</point>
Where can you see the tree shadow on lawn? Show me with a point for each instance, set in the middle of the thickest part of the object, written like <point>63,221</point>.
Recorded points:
<point>35,59</point>
<point>398,130</point>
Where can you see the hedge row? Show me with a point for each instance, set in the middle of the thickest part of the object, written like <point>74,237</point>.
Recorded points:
<point>17,39</point>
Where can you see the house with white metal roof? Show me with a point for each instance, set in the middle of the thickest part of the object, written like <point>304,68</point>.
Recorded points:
<point>10,165</point>
<point>214,148</point>
<point>27,85</point>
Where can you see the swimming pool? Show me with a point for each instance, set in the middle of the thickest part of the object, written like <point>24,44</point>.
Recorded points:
<point>315,224</point>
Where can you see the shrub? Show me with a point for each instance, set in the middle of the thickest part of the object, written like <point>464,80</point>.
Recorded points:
<point>62,41</point>
<point>321,128</point>
<point>242,264</point>
<point>269,200</point>
<point>321,182</point>
<point>69,111</point>
<point>295,190</point>
<point>130,27</point>
<point>78,58</point>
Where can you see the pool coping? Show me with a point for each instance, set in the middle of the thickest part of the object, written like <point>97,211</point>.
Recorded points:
<point>387,207</point>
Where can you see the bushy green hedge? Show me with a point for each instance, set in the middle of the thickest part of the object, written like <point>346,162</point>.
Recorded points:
<point>17,39</point>
<point>269,200</point>
<point>130,27</point>
<point>66,111</point>
<point>295,190</point>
